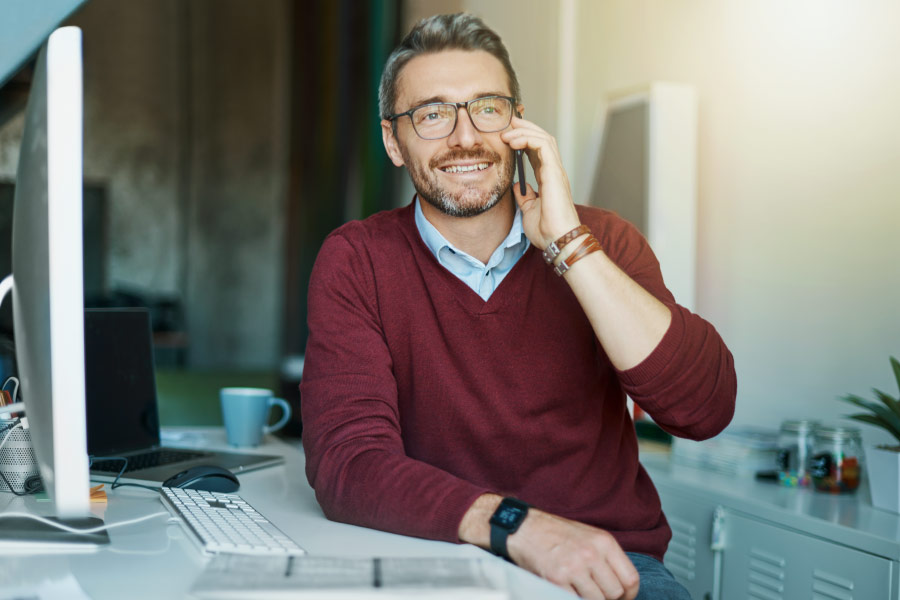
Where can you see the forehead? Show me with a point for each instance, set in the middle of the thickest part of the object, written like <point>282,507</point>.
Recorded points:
<point>450,76</point>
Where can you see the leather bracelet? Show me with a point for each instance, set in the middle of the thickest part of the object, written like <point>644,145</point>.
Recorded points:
<point>588,246</point>
<point>554,248</point>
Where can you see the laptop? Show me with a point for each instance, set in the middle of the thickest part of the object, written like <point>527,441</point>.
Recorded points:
<point>122,413</point>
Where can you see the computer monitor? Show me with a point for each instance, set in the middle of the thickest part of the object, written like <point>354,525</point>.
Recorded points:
<point>46,282</point>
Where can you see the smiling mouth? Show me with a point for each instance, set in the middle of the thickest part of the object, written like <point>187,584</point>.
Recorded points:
<point>466,168</point>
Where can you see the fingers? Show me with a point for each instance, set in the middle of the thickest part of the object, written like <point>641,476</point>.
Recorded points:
<point>542,151</point>
<point>525,135</point>
<point>530,194</point>
<point>626,573</point>
<point>575,556</point>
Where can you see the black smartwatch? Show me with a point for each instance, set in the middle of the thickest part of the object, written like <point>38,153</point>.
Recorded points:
<point>505,521</point>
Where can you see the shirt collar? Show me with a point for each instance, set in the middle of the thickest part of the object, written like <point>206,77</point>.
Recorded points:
<point>437,242</point>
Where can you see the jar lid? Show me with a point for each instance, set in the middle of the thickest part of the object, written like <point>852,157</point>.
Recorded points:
<point>837,432</point>
<point>799,426</point>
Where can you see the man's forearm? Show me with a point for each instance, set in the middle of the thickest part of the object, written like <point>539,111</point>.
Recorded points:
<point>628,320</point>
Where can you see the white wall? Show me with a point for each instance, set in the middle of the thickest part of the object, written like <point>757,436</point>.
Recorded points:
<point>799,171</point>
<point>799,180</point>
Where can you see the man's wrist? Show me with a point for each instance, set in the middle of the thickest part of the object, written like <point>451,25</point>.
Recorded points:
<point>505,522</point>
<point>567,251</point>
<point>475,525</point>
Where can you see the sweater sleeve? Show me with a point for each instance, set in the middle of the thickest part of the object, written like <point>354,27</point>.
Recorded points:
<point>355,458</point>
<point>688,383</point>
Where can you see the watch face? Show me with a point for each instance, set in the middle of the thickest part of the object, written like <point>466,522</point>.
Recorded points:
<point>507,516</point>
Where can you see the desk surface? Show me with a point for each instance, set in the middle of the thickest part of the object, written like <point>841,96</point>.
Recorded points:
<point>156,559</point>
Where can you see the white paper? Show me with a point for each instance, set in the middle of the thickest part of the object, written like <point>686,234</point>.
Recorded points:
<point>235,576</point>
<point>66,588</point>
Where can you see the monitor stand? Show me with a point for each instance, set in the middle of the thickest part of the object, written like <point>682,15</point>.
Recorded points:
<point>21,535</point>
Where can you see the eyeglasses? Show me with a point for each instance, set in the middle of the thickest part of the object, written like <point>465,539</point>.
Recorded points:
<point>438,120</point>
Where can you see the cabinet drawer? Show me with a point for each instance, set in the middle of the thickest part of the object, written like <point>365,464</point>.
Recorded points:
<point>762,561</point>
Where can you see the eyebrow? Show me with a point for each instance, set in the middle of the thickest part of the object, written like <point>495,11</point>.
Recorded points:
<point>435,99</point>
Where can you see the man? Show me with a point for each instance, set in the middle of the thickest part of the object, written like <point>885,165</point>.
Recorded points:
<point>455,386</point>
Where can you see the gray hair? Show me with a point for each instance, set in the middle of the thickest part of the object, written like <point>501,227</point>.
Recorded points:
<point>460,31</point>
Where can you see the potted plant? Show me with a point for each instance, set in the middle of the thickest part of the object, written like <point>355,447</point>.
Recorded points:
<point>883,461</point>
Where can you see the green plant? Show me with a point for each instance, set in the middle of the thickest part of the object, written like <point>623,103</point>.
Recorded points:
<point>886,414</point>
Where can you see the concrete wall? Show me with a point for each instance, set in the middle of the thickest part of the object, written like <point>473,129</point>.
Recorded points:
<point>185,123</point>
<point>238,156</point>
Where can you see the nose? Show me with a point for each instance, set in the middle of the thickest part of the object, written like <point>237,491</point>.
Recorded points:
<point>465,135</point>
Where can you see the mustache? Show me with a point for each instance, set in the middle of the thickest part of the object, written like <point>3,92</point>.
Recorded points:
<point>459,154</point>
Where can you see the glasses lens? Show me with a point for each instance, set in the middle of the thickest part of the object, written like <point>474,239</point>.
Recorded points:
<point>434,120</point>
<point>490,114</point>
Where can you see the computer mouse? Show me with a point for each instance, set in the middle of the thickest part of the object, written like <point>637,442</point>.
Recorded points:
<point>209,478</point>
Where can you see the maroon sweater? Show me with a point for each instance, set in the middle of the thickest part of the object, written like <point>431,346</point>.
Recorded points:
<point>418,396</point>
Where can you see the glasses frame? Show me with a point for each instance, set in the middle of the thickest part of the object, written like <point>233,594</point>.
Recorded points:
<point>457,105</point>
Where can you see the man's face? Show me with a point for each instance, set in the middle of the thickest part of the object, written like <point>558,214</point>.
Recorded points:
<point>468,172</point>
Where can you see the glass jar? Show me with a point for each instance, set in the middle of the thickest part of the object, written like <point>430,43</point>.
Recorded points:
<point>836,462</point>
<point>795,441</point>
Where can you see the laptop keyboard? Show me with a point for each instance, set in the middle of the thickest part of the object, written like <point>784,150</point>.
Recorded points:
<point>146,460</point>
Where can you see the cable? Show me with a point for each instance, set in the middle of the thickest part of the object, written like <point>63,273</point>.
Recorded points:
<point>15,391</point>
<point>25,491</point>
<point>115,484</point>
<point>65,527</point>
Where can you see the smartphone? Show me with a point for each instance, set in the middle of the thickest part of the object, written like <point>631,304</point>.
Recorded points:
<point>520,165</point>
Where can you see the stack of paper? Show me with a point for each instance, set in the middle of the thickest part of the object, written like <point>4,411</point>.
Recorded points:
<point>738,450</point>
<point>316,577</point>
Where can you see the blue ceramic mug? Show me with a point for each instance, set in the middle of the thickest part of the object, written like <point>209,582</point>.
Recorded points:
<point>246,411</point>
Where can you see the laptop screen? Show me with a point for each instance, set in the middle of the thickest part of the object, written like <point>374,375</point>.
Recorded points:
<point>120,381</point>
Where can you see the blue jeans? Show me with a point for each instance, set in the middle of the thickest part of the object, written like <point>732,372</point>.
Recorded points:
<point>657,583</point>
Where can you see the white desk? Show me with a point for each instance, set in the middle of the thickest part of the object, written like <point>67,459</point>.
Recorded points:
<point>156,560</point>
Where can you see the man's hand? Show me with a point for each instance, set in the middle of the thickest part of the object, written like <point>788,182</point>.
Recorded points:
<point>584,560</point>
<point>549,214</point>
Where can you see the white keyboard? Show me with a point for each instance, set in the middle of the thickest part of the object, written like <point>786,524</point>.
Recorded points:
<point>225,524</point>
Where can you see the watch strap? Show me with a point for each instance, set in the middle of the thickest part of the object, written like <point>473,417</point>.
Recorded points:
<point>498,541</point>
<point>500,532</point>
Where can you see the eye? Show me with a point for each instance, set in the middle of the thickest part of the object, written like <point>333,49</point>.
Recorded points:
<point>490,107</point>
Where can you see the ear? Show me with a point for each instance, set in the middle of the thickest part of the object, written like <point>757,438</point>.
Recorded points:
<point>520,110</point>
<point>391,145</point>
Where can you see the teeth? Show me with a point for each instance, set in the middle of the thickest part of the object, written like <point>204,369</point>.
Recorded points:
<point>466,168</point>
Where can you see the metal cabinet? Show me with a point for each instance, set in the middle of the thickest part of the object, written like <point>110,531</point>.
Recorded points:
<point>735,539</point>
<point>760,560</point>
<point>690,556</point>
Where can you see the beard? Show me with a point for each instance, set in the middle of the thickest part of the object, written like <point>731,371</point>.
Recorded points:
<point>471,201</point>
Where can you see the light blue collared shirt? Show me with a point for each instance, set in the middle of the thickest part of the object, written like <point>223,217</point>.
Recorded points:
<point>482,278</point>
